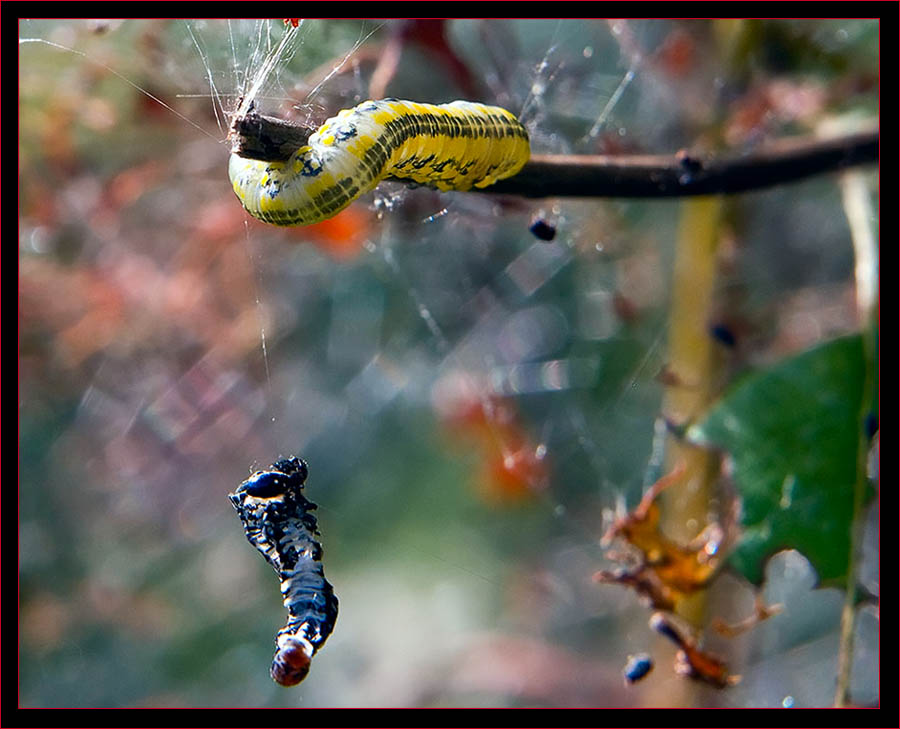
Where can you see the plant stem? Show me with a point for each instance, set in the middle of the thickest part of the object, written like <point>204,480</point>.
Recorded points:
<point>859,212</point>
<point>693,358</point>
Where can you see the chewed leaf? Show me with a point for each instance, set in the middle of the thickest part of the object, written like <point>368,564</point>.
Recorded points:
<point>793,432</point>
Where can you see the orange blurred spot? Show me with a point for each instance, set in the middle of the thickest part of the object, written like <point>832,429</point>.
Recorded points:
<point>57,136</point>
<point>761,612</point>
<point>691,661</point>
<point>512,466</point>
<point>701,666</point>
<point>342,237</point>
<point>512,477</point>
<point>130,184</point>
<point>43,621</point>
<point>92,333</point>
<point>39,201</point>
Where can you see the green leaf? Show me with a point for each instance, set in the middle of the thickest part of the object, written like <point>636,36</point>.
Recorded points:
<point>793,432</point>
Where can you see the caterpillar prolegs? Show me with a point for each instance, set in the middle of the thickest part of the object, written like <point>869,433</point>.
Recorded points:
<point>453,146</point>
<point>279,522</point>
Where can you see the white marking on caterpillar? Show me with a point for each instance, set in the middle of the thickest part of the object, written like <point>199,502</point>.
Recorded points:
<point>453,146</point>
<point>279,522</point>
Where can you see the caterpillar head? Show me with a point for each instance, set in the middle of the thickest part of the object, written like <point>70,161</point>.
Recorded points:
<point>284,477</point>
<point>291,662</point>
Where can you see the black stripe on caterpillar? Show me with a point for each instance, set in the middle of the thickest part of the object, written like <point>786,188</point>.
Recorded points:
<point>279,522</point>
<point>453,146</point>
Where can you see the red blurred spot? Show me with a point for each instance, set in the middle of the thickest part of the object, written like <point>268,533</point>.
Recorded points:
<point>677,54</point>
<point>431,36</point>
<point>220,220</point>
<point>626,309</point>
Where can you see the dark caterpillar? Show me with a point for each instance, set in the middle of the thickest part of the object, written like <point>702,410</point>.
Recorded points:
<point>279,522</point>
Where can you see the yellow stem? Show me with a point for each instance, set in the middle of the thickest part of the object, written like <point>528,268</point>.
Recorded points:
<point>693,357</point>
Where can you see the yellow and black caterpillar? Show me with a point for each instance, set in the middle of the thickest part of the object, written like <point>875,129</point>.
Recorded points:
<point>279,522</point>
<point>453,146</point>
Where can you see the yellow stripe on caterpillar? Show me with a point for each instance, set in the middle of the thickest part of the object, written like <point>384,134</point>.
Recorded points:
<point>455,146</point>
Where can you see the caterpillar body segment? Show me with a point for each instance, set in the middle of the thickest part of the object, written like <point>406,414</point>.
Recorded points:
<point>455,146</point>
<point>279,522</point>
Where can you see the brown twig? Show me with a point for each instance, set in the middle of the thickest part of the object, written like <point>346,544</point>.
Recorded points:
<point>682,175</point>
<point>266,138</point>
<point>622,176</point>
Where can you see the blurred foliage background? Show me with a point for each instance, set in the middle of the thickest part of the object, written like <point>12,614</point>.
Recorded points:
<point>473,402</point>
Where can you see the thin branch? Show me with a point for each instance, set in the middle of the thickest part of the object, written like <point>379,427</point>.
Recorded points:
<point>620,176</point>
<point>682,175</point>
